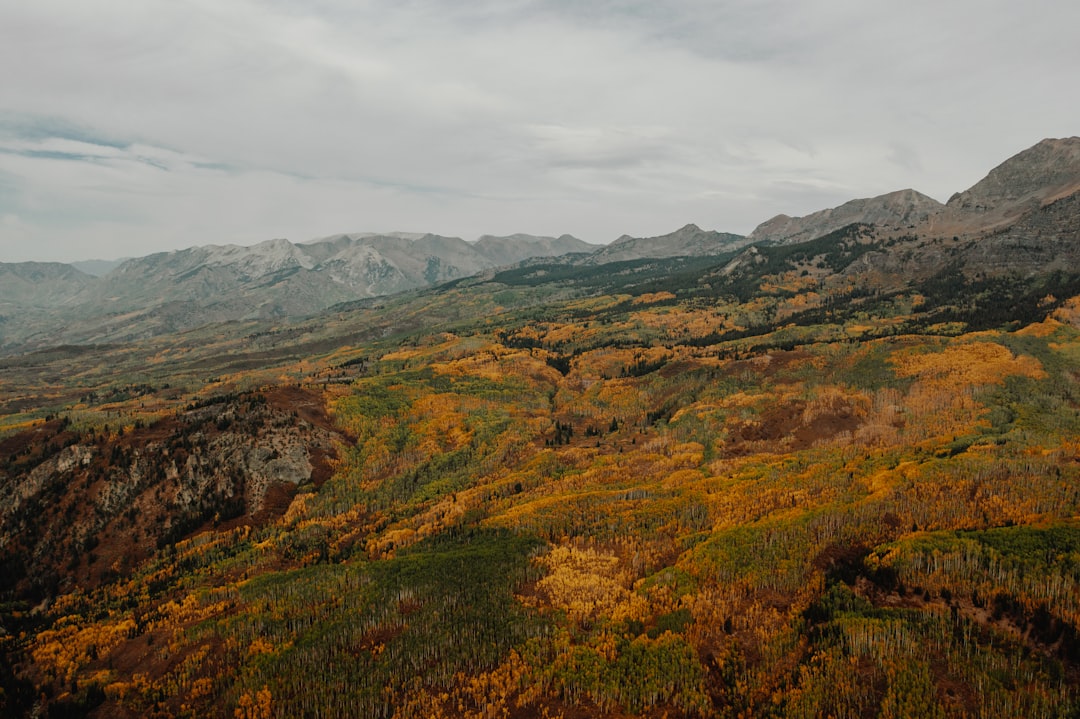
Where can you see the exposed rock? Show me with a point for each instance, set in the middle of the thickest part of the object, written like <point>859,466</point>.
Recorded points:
<point>1022,218</point>
<point>1026,181</point>
<point>743,261</point>
<point>1044,240</point>
<point>117,496</point>
<point>899,210</point>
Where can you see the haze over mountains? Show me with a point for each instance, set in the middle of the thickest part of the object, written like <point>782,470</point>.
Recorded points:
<point>1023,217</point>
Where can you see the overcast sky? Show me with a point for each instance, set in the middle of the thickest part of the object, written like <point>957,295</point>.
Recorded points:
<point>134,126</point>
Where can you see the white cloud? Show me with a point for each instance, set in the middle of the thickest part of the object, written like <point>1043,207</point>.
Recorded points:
<point>128,125</point>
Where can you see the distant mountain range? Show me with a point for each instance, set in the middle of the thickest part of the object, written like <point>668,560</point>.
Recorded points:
<point>53,303</point>
<point>277,277</point>
<point>1024,217</point>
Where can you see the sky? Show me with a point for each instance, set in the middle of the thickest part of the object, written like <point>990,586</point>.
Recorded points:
<point>136,126</point>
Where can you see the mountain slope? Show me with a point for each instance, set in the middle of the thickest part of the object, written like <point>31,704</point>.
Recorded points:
<point>332,271</point>
<point>516,248</point>
<point>1043,240</point>
<point>1041,174</point>
<point>895,210</point>
<point>689,241</point>
<point>41,284</point>
<point>1020,218</point>
<point>174,291</point>
<point>1021,185</point>
<point>652,497</point>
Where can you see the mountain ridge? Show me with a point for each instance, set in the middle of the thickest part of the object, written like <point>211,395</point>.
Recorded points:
<point>41,284</point>
<point>180,289</point>
<point>897,210</point>
<point>1017,218</point>
<point>689,240</point>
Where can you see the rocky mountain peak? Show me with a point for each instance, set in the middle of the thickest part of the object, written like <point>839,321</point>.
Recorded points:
<point>898,210</point>
<point>1039,174</point>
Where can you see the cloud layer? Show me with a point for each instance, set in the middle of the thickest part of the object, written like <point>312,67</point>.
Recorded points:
<point>132,126</point>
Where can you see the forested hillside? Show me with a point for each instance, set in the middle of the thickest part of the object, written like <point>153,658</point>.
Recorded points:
<point>754,485</point>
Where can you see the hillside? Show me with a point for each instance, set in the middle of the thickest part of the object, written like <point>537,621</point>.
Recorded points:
<point>40,284</point>
<point>690,240</point>
<point>836,477</point>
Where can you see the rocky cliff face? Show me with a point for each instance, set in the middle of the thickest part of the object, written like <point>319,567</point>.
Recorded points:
<point>1023,218</point>
<point>1046,239</point>
<point>84,503</point>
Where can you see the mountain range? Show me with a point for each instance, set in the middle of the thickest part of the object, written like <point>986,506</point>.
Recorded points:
<point>1021,218</point>
<point>1018,188</point>
<point>54,303</point>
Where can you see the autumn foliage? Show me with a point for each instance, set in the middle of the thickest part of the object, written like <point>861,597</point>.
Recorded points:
<point>620,506</point>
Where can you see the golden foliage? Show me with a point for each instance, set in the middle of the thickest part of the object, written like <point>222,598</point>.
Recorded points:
<point>966,364</point>
<point>1069,313</point>
<point>652,297</point>
<point>254,706</point>
<point>589,585</point>
<point>63,651</point>
<point>703,503</point>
